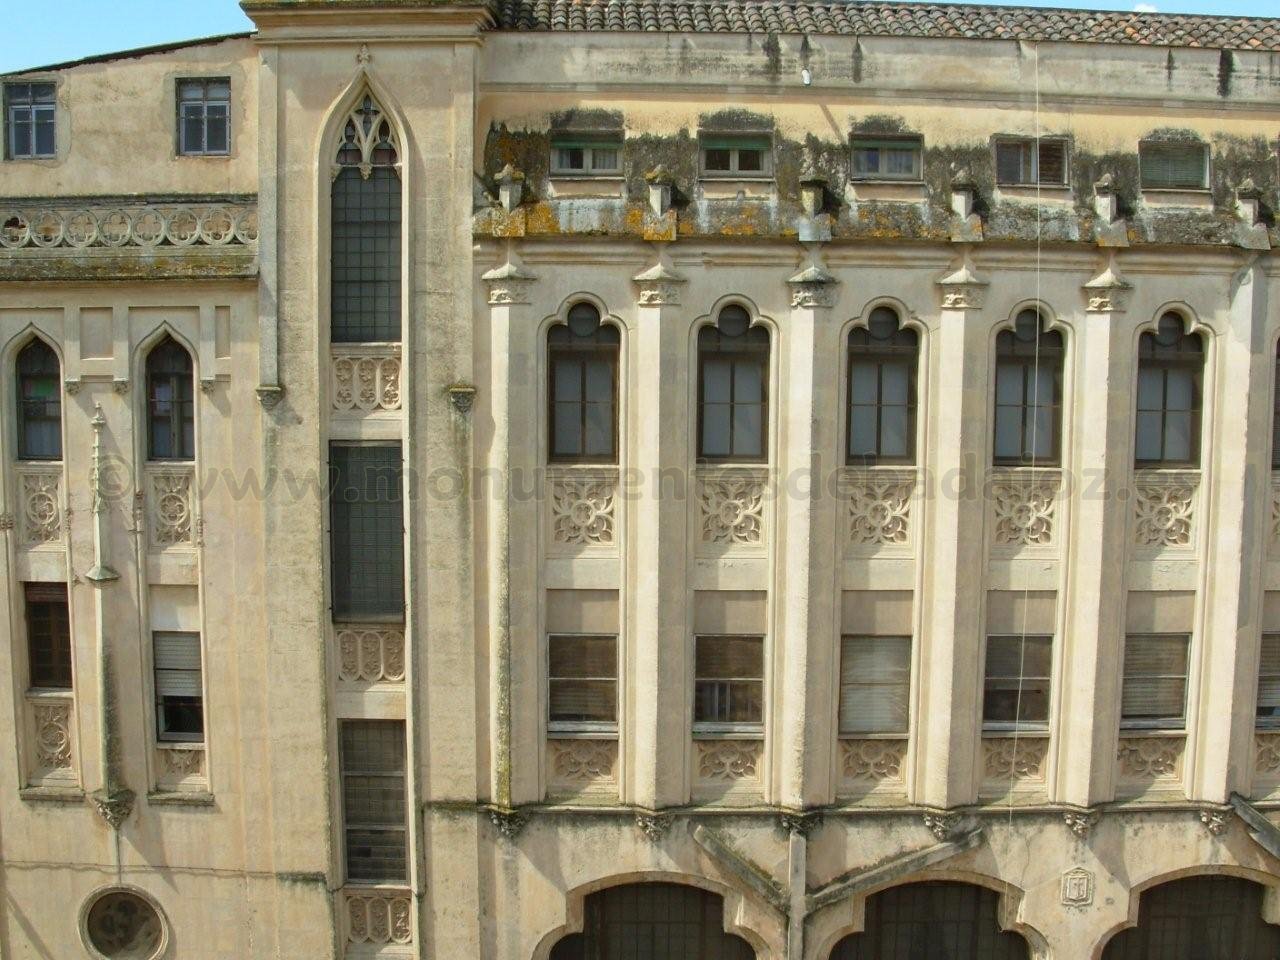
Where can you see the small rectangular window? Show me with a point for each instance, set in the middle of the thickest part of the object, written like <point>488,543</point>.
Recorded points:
<point>30,120</point>
<point>586,157</point>
<point>740,157</point>
<point>582,682</point>
<point>1154,693</point>
<point>886,159</point>
<point>875,684</point>
<point>1173,166</point>
<point>1017,685</point>
<point>48,636</point>
<point>1031,162</point>
<point>179,691</point>
<point>728,683</point>
<point>204,117</point>
<point>1268,710</point>
<point>366,513</point>
<point>372,760</point>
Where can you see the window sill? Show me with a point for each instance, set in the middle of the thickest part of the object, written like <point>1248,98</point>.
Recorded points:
<point>1161,197</point>
<point>586,187</point>
<point>180,798</point>
<point>52,794</point>
<point>1053,193</point>
<point>581,733</point>
<point>893,191</point>
<point>997,732</point>
<point>1127,731</point>
<point>729,732</point>
<point>736,188</point>
<point>180,745</point>
<point>845,735</point>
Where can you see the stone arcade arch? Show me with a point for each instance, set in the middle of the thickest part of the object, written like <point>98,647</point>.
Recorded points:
<point>934,920</point>
<point>653,921</point>
<point>1205,917</point>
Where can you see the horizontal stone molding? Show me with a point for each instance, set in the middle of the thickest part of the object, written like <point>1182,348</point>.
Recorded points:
<point>145,226</point>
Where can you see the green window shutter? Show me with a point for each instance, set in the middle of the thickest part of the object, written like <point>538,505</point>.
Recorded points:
<point>367,532</point>
<point>1173,166</point>
<point>727,142</point>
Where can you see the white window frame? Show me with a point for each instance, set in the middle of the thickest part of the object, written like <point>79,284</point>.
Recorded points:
<point>166,739</point>
<point>1033,178</point>
<point>10,120</point>
<point>183,149</point>
<point>736,144</point>
<point>916,144</point>
<point>588,145</point>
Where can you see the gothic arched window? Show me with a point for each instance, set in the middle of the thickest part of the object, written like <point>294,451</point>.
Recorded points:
<point>171,405</point>
<point>1028,393</point>
<point>39,403</point>
<point>583,359</point>
<point>1170,369</point>
<point>883,357</point>
<point>733,388</point>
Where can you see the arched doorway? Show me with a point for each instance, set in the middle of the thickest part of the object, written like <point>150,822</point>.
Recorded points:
<point>652,921</point>
<point>932,921</point>
<point>1199,918</point>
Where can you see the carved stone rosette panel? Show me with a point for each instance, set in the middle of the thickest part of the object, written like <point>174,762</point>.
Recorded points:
<point>51,733</point>
<point>181,768</point>
<point>1266,757</point>
<point>1165,509</point>
<point>1009,761</point>
<point>1151,760</point>
<point>582,510</point>
<point>1022,505</point>
<point>145,225</point>
<point>171,514</point>
<point>378,916</point>
<point>580,765</point>
<point>726,763</point>
<point>731,512</point>
<point>867,765</point>
<point>880,509</point>
<point>40,511</point>
<point>364,379</point>
<point>370,654</point>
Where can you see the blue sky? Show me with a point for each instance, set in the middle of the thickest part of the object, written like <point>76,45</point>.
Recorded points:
<point>52,31</point>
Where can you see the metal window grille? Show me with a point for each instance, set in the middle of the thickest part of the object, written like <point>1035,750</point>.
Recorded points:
<point>583,388</point>
<point>204,116</point>
<point>883,360</point>
<point>48,636</point>
<point>179,689</point>
<point>1170,368</point>
<point>171,405</point>
<point>582,682</point>
<point>1028,400</point>
<point>728,682</point>
<point>367,531</point>
<point>30,119</point>
<point>875,684</point>
<point>39,403</point>
<point>374,811</point>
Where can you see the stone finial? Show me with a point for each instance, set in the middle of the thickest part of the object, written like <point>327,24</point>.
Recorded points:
<point>1248,202</point>
<point>963,190</point>
<point>661,183</point>
<point>1104,198</point>
<point>510,187</point>
<point>813,193</point>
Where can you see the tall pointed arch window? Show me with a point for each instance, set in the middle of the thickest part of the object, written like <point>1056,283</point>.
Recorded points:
<point>883,357</point>
<point>39,403</point>
<point>171,405</point>
<point>1028,394</point>
<point>366,230</point>
<point>583,360</point>
<point>1170,371</point>
<point>733,381</point>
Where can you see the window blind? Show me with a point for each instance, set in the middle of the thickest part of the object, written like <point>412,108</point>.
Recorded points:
<point>1268,709</point>
<point>729,680</point>
<point>1154,692</point>
<point>179,691</point>
<point>1017,686</point>
<point>875,684</point>
<point>582,674</point>
<point>1173,166</point>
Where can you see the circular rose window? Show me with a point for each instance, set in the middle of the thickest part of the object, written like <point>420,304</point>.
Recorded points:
<point>120,925</point>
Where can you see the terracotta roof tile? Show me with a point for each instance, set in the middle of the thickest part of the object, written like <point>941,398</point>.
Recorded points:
<point>895,19</point>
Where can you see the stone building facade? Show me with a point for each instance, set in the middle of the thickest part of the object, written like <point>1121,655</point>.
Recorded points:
<point>552,480</point>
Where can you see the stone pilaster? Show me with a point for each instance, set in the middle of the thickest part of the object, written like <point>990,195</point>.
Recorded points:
<point>1236,478</point>
<point>657,559</point>
<point>1093,637</point>
<point>947,725</point>
<point>805,632</point>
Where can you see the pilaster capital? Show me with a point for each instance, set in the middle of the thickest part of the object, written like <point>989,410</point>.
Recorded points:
<point>660,285</point>
<point>812,287</point>
<point>507,822</point>
<point>508,284</point>
<point>652,824</point>
<point>1108,292</point>
<point>961,287</point>
<point>113,806</point>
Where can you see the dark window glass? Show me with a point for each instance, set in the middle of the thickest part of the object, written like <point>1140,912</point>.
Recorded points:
<point>736,156</point>
<point>581,158</point>
<point>48,636</point>
<point>30,110</point>
<point>204,117</point>
<point>1173,166</point>
<point>1154,690</point>
<point>1028,397</point>
<point>1198,918</point>
<point>886,159</point>
<point>932,921</point>
<point>171,407</point>
<point>1170,367</point>
<point>583,388</point>
<point>367,529</point>
<point>652,921</point>
<point>372,757</point>
<point>179,692</point>
<point>39,403</point>
<point>729,680</point>
<point>1268,710</point>
<point>733,378</point>
<point>883,359</point>
<point>1016,689</point>
<point>1030,162</point>
<point>582,680</point>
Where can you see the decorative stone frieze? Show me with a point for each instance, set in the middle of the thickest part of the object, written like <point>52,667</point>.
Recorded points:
<point>1012,759</point>
<point>170,502</point>
<point>145,225</point>
<point>873,761</point>
<point>581,765</point>
<point>728,761</point>
<point>52,745</point>
<point>1150,758</point>
<point>365,379</point>
<point>370,654</point>
<point>181,764</point>
<point>380,917</point>
<point>509,283</point>
<point>731,506</point>
<point>582,508</point>
<point>1266,755</point>
<point>1273,544</point>
<point>1023,504</point>
<point>1165,505</point>
<point>813,287</point>
<point>7,522</point>
<point>39,488</point>
<point>879,508</point>
<point>660,285</point>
